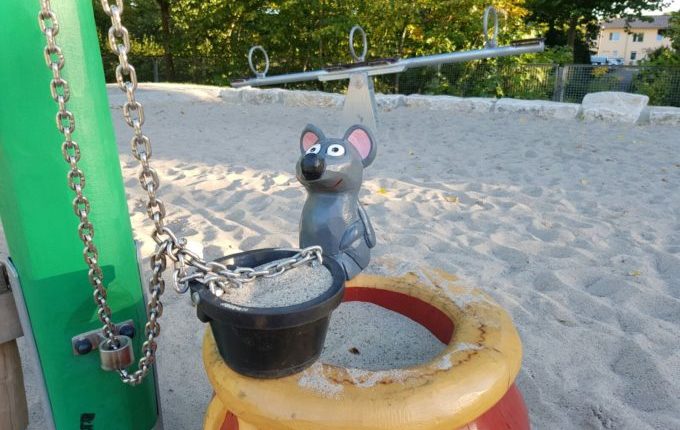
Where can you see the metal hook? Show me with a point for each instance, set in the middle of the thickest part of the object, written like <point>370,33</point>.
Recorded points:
<point>266,61</point>
<point>493,42</point>
<point>364,41</point>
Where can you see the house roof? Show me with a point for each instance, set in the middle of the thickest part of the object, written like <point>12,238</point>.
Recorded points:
<point>659,21</point>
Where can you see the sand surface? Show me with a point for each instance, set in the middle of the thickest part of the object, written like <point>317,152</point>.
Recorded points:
<point>370,337</point>
<point>573,227</point>
<point>294,286</point>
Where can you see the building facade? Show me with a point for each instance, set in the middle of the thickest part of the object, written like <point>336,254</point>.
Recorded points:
<point>632,42</point>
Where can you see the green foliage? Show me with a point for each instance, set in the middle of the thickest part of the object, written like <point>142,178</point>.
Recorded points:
<point>673,30</point>
<point>660,77</point>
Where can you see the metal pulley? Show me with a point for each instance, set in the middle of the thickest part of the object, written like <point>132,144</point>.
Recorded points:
<point>119,358</point>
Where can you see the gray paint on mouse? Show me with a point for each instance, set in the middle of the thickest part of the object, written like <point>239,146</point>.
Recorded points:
<point>332,171</point>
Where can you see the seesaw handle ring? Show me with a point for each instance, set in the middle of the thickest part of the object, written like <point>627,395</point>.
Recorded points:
<point>493,42</point>
<point>364,43</point>
<point>252,65</point>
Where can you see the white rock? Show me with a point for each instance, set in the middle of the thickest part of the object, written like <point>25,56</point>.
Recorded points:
<point>476,104</point>
<point>231,95</point>
<point>458,104</point>
<point>418,101</point>
<point>388,102</point>
<point>614,106</point>
<point>664,115</point>
<point>541,108</point>
<point>257,96</point>
<point>312,99</point>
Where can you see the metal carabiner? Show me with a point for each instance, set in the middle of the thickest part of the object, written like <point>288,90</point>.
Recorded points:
<point>364,42</point>
<point>493,42</point>
<point>252,65</point>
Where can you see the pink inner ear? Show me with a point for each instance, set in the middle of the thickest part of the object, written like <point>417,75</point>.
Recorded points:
<point>361,141</point>
<point>309,139</point>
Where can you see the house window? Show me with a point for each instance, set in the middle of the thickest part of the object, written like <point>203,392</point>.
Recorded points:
<point>660,35</point>
<point>614,36</point>
<point>638,37</point>
<point>633,55</point>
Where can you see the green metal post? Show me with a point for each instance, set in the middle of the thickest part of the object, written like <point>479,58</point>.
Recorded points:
<point>39,224</point>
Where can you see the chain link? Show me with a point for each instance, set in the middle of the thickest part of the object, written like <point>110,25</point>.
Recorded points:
<point>188,266</point>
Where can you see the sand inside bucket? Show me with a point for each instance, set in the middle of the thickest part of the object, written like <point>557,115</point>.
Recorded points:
<point>294,286</point>
<point>370,337</point>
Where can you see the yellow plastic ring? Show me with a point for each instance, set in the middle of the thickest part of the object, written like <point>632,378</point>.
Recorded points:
<point>470,376</point>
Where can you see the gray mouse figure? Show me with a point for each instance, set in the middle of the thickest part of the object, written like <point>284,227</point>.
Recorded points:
<point>332,171</point>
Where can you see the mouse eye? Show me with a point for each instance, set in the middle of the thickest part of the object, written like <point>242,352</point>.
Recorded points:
<point>314,149</point>
<point>336,150</point>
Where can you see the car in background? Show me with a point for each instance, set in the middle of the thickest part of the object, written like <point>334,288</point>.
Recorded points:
<point>598,60</point>
<point>615,61</point>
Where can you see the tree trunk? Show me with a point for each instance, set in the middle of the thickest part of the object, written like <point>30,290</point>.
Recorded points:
<point>400,53</point>
<point>571,34</point>
<point>165,29</point>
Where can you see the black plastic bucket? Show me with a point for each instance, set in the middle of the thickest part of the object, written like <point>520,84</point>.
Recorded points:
<point>269,342</point>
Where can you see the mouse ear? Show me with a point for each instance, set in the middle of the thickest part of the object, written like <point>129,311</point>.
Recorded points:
<point>310,136</point>
<point>363,141</point>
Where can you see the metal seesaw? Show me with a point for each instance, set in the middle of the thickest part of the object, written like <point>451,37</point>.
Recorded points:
<point>360,105</point>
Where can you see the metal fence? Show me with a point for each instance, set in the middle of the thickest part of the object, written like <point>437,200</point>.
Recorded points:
<point>569,83</point>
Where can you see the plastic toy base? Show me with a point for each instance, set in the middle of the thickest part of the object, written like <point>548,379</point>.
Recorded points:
<point>510,413</point>
<point>469,386</point>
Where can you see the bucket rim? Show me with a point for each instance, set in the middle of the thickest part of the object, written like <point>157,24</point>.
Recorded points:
<point>305,312</point>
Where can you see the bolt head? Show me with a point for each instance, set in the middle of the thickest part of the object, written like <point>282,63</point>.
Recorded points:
<point>83,346</point>
<point>127,330</point>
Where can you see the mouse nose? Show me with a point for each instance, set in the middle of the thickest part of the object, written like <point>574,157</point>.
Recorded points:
<point>312,167</point>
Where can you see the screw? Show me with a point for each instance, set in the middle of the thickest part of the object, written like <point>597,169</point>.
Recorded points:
<point>127,330</point>
<point>83,346</point>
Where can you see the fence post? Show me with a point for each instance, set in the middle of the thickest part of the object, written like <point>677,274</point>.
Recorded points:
<point>564,73</point>
<point>155,69</point>
<point>558,85</point>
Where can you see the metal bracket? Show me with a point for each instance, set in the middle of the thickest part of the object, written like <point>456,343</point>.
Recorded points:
<point>360,105</point>
<point>84,343</point>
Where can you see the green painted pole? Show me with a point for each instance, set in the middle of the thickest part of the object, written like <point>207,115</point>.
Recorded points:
<point>39,224</point>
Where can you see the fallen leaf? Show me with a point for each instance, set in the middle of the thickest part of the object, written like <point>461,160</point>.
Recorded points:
<point>584,181</point>
<point>382,190</point>
<point>635,273</point>
<point>451,199</point>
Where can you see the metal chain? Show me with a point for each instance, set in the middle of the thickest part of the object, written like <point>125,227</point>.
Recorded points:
<point>215,275</point>
<point>66,124</point>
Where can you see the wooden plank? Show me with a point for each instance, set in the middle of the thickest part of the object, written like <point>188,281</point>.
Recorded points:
<point>13,408</point>
<point>10,326</point>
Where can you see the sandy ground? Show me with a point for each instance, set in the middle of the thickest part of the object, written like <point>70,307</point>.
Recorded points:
<point>571,226</point>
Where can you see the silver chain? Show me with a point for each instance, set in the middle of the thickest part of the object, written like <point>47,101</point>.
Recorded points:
<point>66,124</point>
<point>212,274</point>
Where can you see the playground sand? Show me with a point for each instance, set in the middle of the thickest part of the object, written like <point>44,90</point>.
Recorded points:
<point>571,226</point>
<point>292,287</point>
<point>370,337</point>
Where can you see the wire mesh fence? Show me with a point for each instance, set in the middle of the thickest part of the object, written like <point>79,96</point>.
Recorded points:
<point>569,83</point>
